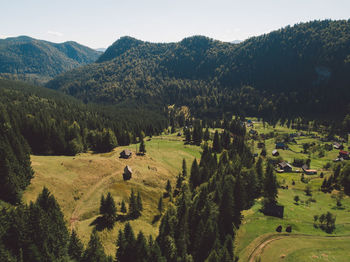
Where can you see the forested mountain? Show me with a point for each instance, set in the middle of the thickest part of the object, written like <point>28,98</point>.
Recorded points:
<point>299,70</point>
<point>37,60</point>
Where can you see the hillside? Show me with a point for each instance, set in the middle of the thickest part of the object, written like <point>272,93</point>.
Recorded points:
<point>58,124</point>
<point>78,182</point>
<point>27,58</point>
<point>299,70</point>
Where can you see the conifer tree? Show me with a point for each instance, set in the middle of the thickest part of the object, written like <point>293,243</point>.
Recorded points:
<point>142,148</point>
<point>102,205</point>
<point>206,135</point>
<point>195,175</point>
<point>75,247</point>
<point>139,202</point>
<point>123,207</point>
<point>217,143</point>
<point>109,211</point>
<point>187,136</point>
<point>184,169</point>
<point>168,188</point>
<point>133,208</point>
<point>160,205</point>
<point>94,251</point>
<point>259,173</point>
<point>270,185</point>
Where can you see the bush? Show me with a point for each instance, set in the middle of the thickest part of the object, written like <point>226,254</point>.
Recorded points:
<point>279,229</point>
<point>289,229</point>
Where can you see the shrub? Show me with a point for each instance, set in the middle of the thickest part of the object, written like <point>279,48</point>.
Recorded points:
<point>289,229</point>
<point>279,229</point>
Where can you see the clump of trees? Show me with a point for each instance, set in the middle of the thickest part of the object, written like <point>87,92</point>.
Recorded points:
<point>325,221</point>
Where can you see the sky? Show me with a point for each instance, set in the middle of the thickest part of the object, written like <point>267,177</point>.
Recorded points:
<point>98,24</point>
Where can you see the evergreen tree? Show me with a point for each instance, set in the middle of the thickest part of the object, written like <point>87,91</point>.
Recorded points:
<point>160,205</point>
<point>75,247</point>
<point>123,207</point>
<point>184,169</point>
<point>206,135</point>
<point>102,205</point>
<point>270,185</point>
<point>94,251</point>
<point>168,188</point>
<point>139,202</point>
<point>217,143</point>
<point>260,173</point>
<point>188,136</point>
<point>195,179</point>
<point>142,148</point>
<point>109,210</point>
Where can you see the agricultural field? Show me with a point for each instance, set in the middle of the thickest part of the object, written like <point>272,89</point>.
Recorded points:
<point>78,183</point>
<point>257,239</point>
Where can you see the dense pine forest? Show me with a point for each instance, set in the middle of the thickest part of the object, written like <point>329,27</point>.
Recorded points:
<point>295,71</point>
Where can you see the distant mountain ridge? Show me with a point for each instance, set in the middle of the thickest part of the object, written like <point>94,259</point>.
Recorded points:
<point>299,70</point>
<point>26,58</point>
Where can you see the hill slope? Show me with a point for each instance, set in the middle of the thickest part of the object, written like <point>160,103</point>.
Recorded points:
<point>290,71</point>
<point>25,58</point>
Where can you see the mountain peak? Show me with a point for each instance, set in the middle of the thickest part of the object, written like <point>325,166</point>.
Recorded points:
<point>119,47</point>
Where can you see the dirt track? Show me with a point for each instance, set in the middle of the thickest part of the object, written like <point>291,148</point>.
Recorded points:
<point>259,249</point>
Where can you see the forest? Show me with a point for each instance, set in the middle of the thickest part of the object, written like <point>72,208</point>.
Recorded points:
<point>295,71</point>
<point>37,61</point>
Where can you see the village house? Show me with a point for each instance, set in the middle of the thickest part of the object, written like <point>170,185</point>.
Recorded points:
<point>309,171</point>
<point>275,152</point>
<point>336,145</point>
<point>127,173</point>
<point>126,154</point>
<point>286,167</point>
<point>343,154</point>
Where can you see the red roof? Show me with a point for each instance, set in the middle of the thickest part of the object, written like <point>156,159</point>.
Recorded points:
<point>342,152</point>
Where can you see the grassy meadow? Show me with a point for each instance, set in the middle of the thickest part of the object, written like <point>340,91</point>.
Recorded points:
<point>306,243</point>
<point>78,182</point>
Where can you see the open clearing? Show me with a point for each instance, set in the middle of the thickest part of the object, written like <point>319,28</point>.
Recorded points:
<point>257,238</point>
<point>294,247</point>
<point>78,182</point>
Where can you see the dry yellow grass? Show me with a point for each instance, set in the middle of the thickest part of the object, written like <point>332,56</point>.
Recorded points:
<point>78,182</point>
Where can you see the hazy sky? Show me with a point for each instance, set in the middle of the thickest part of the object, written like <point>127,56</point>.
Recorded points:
<point>99,23</point>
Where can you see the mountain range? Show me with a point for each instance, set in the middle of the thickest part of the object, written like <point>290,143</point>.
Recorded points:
<point>36,60</point>
<point>296,70</point>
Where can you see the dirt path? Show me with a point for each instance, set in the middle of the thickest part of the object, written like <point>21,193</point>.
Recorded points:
<point>76,212</point>
<point>259,249</point>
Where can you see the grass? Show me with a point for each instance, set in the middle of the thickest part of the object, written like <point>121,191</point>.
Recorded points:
<point>307,249</point>
<point>78,182</point>
<point>257,228</point>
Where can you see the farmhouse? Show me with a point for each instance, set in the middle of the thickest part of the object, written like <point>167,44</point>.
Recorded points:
<point>343,154</point>
<point>336,145</point>
<point>286,167</point>
<point>275,152</point>
<point>127,173</point>
<point>126,154</point>
<point>309,171</point>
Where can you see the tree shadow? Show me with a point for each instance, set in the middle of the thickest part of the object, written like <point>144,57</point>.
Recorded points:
<point>156,218</point>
